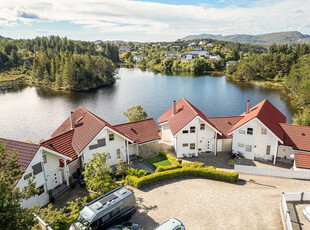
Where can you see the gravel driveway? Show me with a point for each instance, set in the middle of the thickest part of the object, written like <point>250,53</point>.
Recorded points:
<point>206,204</point>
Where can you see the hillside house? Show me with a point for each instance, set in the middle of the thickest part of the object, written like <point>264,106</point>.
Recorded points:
<point>173,54</point>
<point>199,51</point>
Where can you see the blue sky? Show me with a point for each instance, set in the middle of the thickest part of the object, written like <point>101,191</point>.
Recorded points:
<point>150,20</point>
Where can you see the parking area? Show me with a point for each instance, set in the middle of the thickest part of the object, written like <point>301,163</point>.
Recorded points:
<point>252,203</point>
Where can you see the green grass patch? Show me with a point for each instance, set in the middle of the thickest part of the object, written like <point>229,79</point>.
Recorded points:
<point>156,161</point>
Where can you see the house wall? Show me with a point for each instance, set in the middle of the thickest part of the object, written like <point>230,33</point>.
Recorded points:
<point>39,180</point>
<point>203,139</point>
<point>148,148</point>
<point>166,134</point>
<point>285,151</point>
<point>111,146</point>
<point>224,145</point>
<point>133,149</point>
<point>53,173</point>
<point>257,141</point>
<point>73,166</point>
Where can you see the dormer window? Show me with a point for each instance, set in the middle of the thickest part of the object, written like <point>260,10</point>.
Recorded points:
<point>249,131</point>
<point>111,137</point>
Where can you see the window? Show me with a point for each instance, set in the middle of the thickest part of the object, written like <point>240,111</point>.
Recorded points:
<point>192,129</point>
<point>118,153</point>
<point>115,212</point>
<point>41,190</point>
<point>93,146</point>
<point>44,158</point>
<point>185,145</point>
<point>263,131</point>
<point>248,148</point>
<point>37,168</point>
<point>105,218</point>
<point>202,126</point>
<point>192,146</point>
<point>27,176</point>
<point>101,142</point>
<point>111,137</point>
<point>240,145</point>
<point>268,150</point>
<point>185,131</point>
<point>241,131</point>
<point>249,131</point>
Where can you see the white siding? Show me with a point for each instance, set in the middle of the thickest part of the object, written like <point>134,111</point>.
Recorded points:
<point>166,134</point>
<point>111,146</point>
<point>203,139</point>
<point>257,141</point>
<point>39,180</point>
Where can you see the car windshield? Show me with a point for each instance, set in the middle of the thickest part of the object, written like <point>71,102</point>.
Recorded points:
<point>80,223</point>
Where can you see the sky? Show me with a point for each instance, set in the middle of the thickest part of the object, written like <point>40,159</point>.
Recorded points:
<point>149,20</point>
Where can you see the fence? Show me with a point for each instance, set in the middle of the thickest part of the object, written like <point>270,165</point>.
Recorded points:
<point>285,214</point>
<point>273,172</point>
<point>43,225</point>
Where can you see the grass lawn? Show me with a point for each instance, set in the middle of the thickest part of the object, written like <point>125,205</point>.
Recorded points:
<point>159,160</point>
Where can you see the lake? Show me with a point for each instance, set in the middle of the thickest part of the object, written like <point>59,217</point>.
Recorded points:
<point>33,113</point>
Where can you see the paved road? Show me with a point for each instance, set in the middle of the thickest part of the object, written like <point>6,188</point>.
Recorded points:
<point>253,203</point>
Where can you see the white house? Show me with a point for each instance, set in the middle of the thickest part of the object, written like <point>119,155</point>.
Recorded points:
<point>173,54</point>
<point>199,51</point>
<point>92,134</point>
<point>44,165</point>
<point>261,132</point>
<point>188,129</point>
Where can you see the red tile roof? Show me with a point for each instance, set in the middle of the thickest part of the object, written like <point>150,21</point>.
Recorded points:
<point>302,160</point>
<point>185,113</point>
<point>140,131</point>
<point>62,144</point>
<point>87,127</point>
<point>269,115</point>
<point>26,151</point>
<point>296,136</point>
<point>224,124</point>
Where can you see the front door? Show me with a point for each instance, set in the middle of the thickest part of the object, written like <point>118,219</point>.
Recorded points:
<point>53,178</point>
<point>205,145</point>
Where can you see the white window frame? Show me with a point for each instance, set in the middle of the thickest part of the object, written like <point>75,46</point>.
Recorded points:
<point>247,131</point>
<point>268,153</point>
<point>240,145</point>
<point>185,145</point>
<point>241,131</point>
<point>202,126</point>
<point>192,129</point>
<point>192,144</point>
<point>185,131</point>
<point>118,153</point>
<point>248,146</point>
<point>263,131</point>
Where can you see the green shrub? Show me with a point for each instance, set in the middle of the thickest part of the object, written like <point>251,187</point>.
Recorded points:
<point>172,160</point>
<point>206,172</point>
<point>136,172</point>
<point>231,161</point>
<point>195,164</point>
<point>165,168</point>
<point>180,160</point>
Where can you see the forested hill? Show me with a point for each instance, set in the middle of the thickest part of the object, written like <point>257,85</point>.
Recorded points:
<point>270,38</point>
<point>59,62</point>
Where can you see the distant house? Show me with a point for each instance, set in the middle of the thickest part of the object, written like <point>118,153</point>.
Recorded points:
<point>173,54</point>
<point>231,63</point>
<point>123,49</point>
<point>178,43</point>
<point>186,57</point>
<point>202,43</point>
<point>210,44</point>
<point>137,58</point>
<point>199,51</point>
<point>214,57</point>
<point>192,44</point>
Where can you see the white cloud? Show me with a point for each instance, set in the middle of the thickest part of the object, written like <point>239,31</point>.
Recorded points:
<point>156,21</point>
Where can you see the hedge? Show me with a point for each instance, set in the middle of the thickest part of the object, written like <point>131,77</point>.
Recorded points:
<point>165,168</point>
<point>172,160</point>
<point>207,172</point>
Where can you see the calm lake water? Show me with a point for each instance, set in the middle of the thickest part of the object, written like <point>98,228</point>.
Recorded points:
<point>33,113</point>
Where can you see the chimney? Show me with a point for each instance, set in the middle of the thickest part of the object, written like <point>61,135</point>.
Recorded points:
<point>174,107</point>
<point>247,108</point>
<point>72,120</point>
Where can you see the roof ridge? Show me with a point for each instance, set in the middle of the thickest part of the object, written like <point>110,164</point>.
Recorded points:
<point>305,126</point>
<point>71,130</point>
<point>94,115</point>
<point>224,117</point>
<point>191,106</point>
<point>23,142</point>
<point>133,122</point>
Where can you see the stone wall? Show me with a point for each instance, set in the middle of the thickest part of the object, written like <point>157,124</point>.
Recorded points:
<point>149,148</point>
